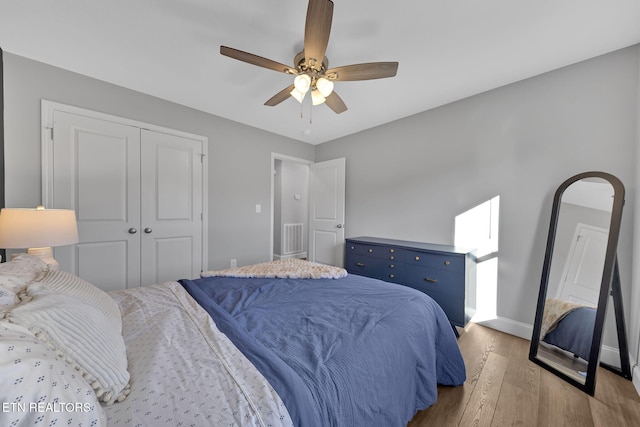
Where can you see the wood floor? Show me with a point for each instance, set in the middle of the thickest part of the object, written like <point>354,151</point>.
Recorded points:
<point>504,388</point>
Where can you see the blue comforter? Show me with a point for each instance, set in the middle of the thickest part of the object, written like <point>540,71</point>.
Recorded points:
<point>346,352</point>
<point>575,332</point>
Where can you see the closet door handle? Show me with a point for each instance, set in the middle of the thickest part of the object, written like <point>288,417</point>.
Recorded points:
<point>132,230</point>
<point>148,230</point>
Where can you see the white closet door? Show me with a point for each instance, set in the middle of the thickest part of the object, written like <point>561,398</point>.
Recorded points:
<point>96,171</point>
<point>171,220</point>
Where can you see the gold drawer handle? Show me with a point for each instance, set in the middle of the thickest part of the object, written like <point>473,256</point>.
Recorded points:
<point>370,250</point>
<point>391,276</point>
<point>392,250</point>
<point>360,264</point>
<point>430,280</point>
<point>391,266</point>
<point>417,258</point>
<point>447,262</point>
<point>392,257</point>
<point>353,247</point>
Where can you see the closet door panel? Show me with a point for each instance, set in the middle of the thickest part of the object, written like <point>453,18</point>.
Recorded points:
<point>171,221</point>
<point>96,172</point>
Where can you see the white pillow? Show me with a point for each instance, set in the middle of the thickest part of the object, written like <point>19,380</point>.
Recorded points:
<point>82,334</point>
<point>16,274</point>
<point>40,388</point>
<point>61,282</point>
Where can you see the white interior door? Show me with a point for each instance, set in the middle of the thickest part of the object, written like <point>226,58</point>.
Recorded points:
<point>171,223</point>
<point>582,275</point>
<point>97,173</point>
<point>327,212</point>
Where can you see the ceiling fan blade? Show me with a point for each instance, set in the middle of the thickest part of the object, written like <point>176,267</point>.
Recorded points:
<point>280,96</point>
<point>368,71</point>
<point>256,60</point>
<point>316,32</point>
<point>336,103</point>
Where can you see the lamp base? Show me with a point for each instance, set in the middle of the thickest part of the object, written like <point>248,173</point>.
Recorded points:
<point>45,254</point>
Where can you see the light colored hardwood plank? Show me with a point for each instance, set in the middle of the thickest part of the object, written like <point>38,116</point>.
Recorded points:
<point>484,399</point>
<point>521,372</point>
<point>605,415</point>
<point>448,410</point>
<point>615,400</point>
<point>516,407</point>
<point>476,344</point>
<point>561,404</point>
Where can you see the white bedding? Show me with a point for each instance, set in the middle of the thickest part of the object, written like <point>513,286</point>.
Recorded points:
<point>184,371</point>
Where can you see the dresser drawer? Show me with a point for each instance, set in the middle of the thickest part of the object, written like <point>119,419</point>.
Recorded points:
<point>371,250</point>
<point>446,288</point>
<point>433,260</point>
<point>363,265</point>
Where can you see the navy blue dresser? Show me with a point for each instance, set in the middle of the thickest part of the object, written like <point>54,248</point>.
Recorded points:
<point>445,273</point>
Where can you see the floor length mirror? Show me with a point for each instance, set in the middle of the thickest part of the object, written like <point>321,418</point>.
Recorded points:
<point>579,273</point>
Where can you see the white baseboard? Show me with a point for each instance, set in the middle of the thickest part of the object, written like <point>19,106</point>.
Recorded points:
<point>508,326</point>
<point>635,376</point>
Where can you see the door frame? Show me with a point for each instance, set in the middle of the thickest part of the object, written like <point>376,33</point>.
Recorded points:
<point>283,157</point>
<point>48,107</point>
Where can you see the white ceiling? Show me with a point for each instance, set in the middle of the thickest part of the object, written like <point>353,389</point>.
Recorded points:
<point>447,50</point>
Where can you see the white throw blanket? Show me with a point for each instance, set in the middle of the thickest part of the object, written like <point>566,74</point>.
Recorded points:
<point>292,268</point>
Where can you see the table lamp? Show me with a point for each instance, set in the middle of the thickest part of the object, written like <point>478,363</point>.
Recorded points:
<point>38,230</point>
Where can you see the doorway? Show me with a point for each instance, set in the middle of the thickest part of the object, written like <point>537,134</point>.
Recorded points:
<point>290,209</point>
<point>307,209</point>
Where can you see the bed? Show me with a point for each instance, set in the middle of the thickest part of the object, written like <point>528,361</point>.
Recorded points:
<point>569,326</point>
<point>290,348</point>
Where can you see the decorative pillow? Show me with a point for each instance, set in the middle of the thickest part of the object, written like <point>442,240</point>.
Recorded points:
<point>40,388</point>
<point>16,274</point>
<point>61,282</point>
<point>80,333</point>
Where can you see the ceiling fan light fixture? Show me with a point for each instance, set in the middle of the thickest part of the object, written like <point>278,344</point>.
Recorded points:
<point>324,86</point>
<point>302,82</point>
<point>299,96</point>
<point>316,97</point>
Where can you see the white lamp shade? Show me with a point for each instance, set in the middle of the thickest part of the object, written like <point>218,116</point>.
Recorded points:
<point>302,83</point>
<point>316,97</point>
<point>324,86</point>
<point>297,95</point>
<point>37,228</point>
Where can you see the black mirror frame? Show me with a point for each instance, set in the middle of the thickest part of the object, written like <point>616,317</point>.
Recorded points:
<point>610,277</point>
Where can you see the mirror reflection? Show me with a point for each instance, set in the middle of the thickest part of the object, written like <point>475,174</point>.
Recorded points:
<point>575,276</point>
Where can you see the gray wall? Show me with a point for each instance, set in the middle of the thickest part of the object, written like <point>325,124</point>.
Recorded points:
<point>409,179</point>
<point>239,156</point>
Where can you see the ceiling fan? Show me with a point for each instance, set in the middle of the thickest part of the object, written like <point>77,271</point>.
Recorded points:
<point>311,66</point>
